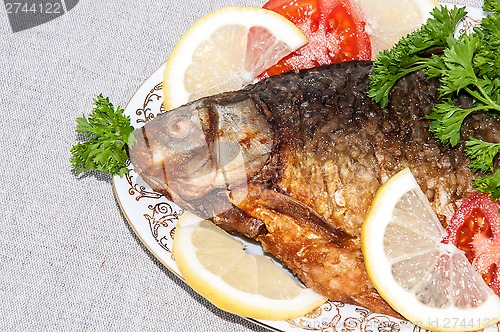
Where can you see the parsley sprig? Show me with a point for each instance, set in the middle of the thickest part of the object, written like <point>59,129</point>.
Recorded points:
<point>469,63</point>
<point>107,132</point>
<point>491,5</point>
<point>411,53</point>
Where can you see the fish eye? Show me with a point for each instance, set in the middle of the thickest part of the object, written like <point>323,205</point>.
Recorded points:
<point>179,126</point>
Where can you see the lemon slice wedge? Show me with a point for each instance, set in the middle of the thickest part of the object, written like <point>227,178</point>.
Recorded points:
<point>226,50</point>
<point>216,266</point>
<point>430,283</point>
<point>389,20</point>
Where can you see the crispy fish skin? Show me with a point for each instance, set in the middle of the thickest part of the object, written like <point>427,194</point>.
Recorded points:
<point>308,152</point>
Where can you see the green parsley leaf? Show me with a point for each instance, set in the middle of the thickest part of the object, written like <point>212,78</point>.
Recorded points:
<point>458,71</point>
<point>107,132</point>
<point>482,154</point>
<point>412,52</point>
<point>447,120</point>
<point>491,5</point>
<point>489,184</point>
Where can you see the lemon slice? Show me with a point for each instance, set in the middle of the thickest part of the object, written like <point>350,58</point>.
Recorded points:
<point>389,20</point>
<point>226,50</point>
<point>215,265</point>
<point>430,283</point>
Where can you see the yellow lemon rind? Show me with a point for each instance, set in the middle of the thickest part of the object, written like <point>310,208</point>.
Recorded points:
<point>435,319</point>
<point>203,28</point>
<point>229,299</point>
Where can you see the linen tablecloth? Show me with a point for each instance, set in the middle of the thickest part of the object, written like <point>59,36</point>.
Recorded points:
<point>69,261</point>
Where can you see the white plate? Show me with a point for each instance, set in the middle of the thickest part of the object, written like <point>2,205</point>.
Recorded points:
<point>153,219</point>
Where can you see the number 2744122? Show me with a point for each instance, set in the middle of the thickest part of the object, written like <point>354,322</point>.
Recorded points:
<point>34,8</point>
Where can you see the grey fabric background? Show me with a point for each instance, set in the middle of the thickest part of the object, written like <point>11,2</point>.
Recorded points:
<point>68,259</point>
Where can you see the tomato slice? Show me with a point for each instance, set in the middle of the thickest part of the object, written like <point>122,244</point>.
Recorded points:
<point>475,229</point>
<point>334,30</point>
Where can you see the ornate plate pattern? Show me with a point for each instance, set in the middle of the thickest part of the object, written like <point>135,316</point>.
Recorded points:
<point>153,218</point>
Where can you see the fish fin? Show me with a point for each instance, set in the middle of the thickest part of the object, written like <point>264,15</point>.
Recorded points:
<point>303,215</point>
<point>237,221</point>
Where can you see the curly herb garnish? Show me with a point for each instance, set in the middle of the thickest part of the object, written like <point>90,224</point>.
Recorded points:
<point>107,132</point>
<point>469,63</point>
<point>411,53</point>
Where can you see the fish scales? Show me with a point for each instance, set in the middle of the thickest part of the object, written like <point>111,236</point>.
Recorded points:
<point>294,161</point>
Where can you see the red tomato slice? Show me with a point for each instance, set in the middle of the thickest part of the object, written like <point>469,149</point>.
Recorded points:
<point>334,31</point>
<point>475,229</point>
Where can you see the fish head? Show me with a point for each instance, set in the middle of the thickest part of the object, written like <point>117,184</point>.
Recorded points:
<point>194,153</point>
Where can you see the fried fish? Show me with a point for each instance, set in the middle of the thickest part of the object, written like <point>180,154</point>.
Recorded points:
<point>295,160</point>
